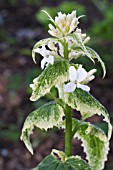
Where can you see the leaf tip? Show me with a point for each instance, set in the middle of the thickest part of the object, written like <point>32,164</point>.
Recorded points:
<point>48,15</point>
<point>33,56</point>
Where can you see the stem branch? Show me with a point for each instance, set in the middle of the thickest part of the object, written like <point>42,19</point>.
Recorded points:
<point>76,128</point>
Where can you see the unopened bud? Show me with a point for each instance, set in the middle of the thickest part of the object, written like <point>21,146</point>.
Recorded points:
<point>91,72</point>
<point>86,40</point>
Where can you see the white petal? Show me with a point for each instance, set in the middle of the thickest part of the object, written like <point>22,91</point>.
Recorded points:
<point>52,33</point>
<point>81,74</point>
<point>51,45</point>
<point>52,28</point>
<point>60,14</point>
<point>73,14</point>
<point>91,72</point>
<point>83,87</point>
<point>83,36</point>
<point>43,62</point>
<point>61,49</point>
<point>91,78</point>
<point>50,59</point>
<point>72,54</point>
<point>73,25</point>
<point>78,30</point>
<point>69,87</point>
<point>57,20</point>
<point>43,51</point>
<point>32,86</point>
<point>72,74</point>
<point>86,40</point>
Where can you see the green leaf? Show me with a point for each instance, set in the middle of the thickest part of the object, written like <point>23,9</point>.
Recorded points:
<point>52,75</point>
<point>45,117</point>
<point>94,142</point>
<point>71,163</point>
<point>48,163</point>
<point>76,163</point>
<point>94,55</point>
<point>40,43</point>
<point>85,103</point>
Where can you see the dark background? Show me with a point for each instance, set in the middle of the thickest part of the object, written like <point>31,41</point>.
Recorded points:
<point>21,26</point>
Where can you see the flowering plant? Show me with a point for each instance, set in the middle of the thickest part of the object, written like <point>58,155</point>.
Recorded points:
<point>71,80</point>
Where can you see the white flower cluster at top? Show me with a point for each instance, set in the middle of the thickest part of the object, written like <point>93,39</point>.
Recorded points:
<point>65,25</point>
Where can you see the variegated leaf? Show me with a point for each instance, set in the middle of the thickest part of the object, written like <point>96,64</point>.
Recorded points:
<point>85,103</point>
<point>94,142</point>
<point>45,117</point>
<point>94,55</point>
<point>40,43</point>
<point>52,75</point>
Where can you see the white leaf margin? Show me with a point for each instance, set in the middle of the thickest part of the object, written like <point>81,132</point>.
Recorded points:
<point>102,137</point>
<point>41,122</point>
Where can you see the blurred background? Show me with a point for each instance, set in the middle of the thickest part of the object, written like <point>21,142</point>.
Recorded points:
<point>22,24</point>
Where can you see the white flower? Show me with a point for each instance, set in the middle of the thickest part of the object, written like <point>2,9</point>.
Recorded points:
<point>65,24</point>
<point>83,36</point>
<point>78,78</point>
<point>48,57</point>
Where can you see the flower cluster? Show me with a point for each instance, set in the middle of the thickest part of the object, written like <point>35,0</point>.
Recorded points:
<point>54,49</point>
<point>50,54</point>
<point>65,24</point>
<point>79,78</point>
<point>83,36</point>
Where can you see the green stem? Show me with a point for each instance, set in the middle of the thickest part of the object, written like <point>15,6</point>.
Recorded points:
<point>65,49</point>
<point>68,132</point>
<point>59,101</point>
<point>76,128</point>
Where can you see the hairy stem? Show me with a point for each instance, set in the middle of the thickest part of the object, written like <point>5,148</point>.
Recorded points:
<point>68,132</point>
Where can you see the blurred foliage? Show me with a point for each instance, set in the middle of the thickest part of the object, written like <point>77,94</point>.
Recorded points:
<point>103,28</point>
<point>11,134</point>
<point>33,2</point>
<point>14,82</point>
<point>64,7</point>
<point>25,51</point>
<point>101,32</point>
<point>12,2</point>
<point>17,2</point>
